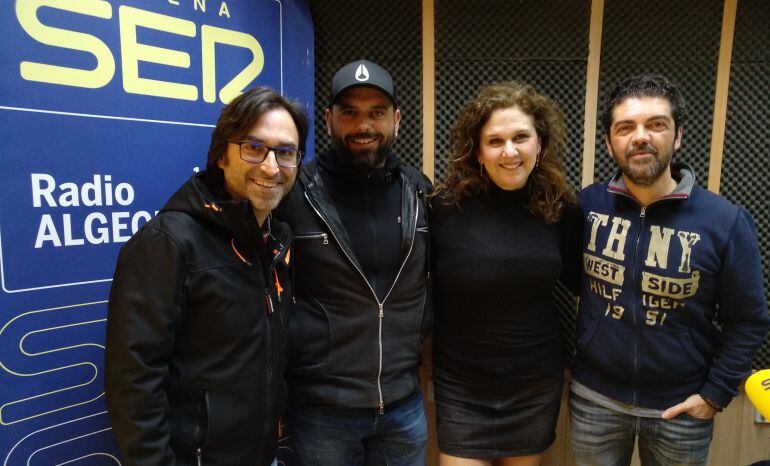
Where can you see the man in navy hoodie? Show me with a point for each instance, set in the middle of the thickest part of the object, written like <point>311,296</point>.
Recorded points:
<point>672,308</point>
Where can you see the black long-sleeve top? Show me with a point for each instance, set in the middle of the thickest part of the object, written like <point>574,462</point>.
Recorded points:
<point>495,266</point>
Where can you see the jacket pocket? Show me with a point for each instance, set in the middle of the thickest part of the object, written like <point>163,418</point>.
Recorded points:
<point>670,356</point>
<point>312,236</point>
<point>426,316</point>
<point>607,348</point>
<point>310,336</point>
<point>201,433</point>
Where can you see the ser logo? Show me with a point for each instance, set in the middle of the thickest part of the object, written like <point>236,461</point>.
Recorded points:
<point>133,52</point>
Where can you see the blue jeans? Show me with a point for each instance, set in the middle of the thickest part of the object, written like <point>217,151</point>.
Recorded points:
<point>601,436</point>
<point>343,437</point>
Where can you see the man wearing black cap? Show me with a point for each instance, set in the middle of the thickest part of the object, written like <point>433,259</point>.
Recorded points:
<point>360,247</point>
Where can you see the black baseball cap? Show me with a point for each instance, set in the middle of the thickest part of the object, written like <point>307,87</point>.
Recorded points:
<point>362,73</point>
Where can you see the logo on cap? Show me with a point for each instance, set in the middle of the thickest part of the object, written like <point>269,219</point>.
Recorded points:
<point>362,74</point>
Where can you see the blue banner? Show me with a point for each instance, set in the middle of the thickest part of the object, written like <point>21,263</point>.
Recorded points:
<point>107,107</point>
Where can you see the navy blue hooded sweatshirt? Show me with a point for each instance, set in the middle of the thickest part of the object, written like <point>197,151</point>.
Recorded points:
<point>672,301</point>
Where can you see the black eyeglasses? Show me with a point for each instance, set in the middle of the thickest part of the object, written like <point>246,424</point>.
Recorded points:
<point>256,152</point>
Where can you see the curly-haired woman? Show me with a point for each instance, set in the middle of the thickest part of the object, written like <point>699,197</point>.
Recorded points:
<point>504,228</point>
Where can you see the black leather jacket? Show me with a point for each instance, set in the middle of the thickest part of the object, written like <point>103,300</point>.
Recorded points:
<point>194,357</point>
<point>351,349</point>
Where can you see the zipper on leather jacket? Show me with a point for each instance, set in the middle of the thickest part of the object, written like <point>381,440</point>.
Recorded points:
<point>380,304</point>
<point>381,407</point>
<point>323,236</point>
<point>199,456</point>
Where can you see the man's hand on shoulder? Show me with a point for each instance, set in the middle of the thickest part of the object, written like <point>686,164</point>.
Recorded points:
<point>694,405</point>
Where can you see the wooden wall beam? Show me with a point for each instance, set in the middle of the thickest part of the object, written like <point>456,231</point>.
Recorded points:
<point>720,95</point>
<point>428,90</point>
<point>592,91</point>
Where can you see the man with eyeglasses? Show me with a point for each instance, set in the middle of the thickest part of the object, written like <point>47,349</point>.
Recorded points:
<point>359,220</point>
<point>198,311</point>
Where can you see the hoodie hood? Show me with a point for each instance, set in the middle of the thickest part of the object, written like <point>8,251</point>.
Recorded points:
<point>683,174</point>
<point>196,199</point>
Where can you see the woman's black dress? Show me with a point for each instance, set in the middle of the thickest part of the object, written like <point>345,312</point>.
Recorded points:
<point>498,366</point>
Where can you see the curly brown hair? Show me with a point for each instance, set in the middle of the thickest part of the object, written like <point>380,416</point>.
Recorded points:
<point>550,192</point>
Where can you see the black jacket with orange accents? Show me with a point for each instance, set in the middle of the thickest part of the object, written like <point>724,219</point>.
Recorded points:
<point>197,335</point>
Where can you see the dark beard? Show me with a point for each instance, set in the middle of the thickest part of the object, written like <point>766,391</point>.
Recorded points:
<point>363,161</point>
<point>652,172</point>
